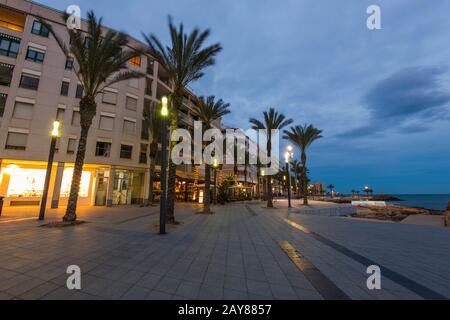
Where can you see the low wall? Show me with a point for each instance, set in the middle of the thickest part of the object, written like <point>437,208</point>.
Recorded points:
<point>343,210</point>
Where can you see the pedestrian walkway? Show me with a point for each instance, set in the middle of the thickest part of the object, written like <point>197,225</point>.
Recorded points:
<point>243,251</point>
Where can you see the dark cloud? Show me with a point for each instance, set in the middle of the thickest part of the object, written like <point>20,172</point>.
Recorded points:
<point>412,94</point>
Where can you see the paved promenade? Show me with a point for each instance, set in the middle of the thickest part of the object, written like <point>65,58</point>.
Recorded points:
<point>243,251</point>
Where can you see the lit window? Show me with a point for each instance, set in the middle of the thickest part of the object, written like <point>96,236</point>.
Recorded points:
<point>67,183</point>
<point>135,61</point>
<point>29,82</point>
<point>40,29</point>
<point>12,19</point>
<point>9,46</point>
<point>126,151</point>
<point>6,73</point>
<point>16,141</point>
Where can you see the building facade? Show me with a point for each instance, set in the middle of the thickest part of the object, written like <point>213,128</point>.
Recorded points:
<point>38,85</point>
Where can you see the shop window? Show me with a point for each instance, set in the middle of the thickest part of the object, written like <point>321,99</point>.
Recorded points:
<point>129,127</point>
<point>16,141</point>
<point>30,82</point>
<point>67,183</point>
<point>40,29</point>
<point>76,118</point>
<point>35,55</point>
<point>106,123</point>
<point>12,19</point>
<point>3,98</point>
<point>126,151</point>
<point>65,88</point>
<point>71,146</point>
<point>6,74</point>
<point>23,111</point>
<point>103,149</point>
<point>9,46</point>
<point>131,103</point>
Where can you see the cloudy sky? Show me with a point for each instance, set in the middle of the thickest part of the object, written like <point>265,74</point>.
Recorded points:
<point>382,97</point>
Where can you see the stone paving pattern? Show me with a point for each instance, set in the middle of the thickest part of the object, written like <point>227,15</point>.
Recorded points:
<point>233,254</point>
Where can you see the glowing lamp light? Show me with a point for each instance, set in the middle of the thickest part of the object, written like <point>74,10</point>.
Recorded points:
<point>164,109</point>
<point>290,148</point>
<point>216,164</point>
<point>200,198</point>
<point>287,156</point>
<point>56,126</point>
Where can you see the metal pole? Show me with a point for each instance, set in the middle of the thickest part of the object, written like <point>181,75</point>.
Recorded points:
<point>51,156</point>
<point>289,184</point>
<point>162,212</point>
<point>215,187</point>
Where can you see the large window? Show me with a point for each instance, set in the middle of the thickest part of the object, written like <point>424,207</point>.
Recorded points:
<point>16,141</point>
<point>126,151</point>
<point>40,29</point>
<point>106,123</point>
<point>29,82</point>
<point>12,19</point>
<point>23,111</point>
<point>6,73</point>
<point>67,183</point>
<point>65,88</point>
<point>35,55</point>
<point>131,103</point>
<point>129,127</point>
<point>9,46</point>
<point>103,149</point>
<point>3,98</point>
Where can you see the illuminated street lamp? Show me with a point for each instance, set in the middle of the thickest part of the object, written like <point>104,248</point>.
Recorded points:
<point>55,135</point>
<point>288,157</point>
<point>215,167</point>
<point>162,210</point>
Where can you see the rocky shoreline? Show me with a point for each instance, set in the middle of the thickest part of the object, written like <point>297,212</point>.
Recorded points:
<point>392,212</point>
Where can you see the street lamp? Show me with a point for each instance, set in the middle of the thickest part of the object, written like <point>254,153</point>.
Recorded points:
<point>288,156</point>
<point>51,155</point>
<point>162,207</point>
<point>215,167</point>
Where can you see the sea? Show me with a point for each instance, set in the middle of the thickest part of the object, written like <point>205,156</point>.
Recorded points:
<point>428,201</point>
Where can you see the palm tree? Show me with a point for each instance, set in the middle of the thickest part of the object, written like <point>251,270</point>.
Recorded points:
<point>272,120</point>
<point>331,187</point>
<point>303,137</point>
<point>208,110</point>
<point>153,121</point>
<point>184,62</point>
<point>101,60</point>
<point>297,169</point>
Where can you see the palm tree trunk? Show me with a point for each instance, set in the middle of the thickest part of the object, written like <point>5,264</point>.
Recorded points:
<point>305,179</point>
<point>207,198</point>
<point>88,109</point>
<point>269,178</point>
<point>196,177</point>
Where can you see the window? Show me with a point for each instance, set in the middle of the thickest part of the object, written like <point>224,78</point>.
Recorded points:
<point>135,61</point>
<point>109,97</point>
<point>16,141</point>
<point>23,111</point>
<point>69,64</point>
<point>145,135</point>
<point>148,87</point>
<point>12,19</point>
<point>103,149</point>
<point>126,151</point>
<point>6,73</point>
<point>35,55</point>
<point>129,127</point>
<point>3,98</point>
<point>60,114</point>
<point>65,88</point>
<point>80,91</point>
<point>29,82</point>
<point>40,29</point>
<point>76,118</point>
<point>71,146</point>
<point>143,153</point>
<point>131,103</point>
<point>9,46</point>
<point>106,123</point>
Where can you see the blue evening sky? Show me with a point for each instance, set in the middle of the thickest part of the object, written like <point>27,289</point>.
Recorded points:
<point>382,97</point>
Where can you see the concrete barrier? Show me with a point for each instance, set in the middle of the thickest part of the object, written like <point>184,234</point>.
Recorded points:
<point>338,211</point>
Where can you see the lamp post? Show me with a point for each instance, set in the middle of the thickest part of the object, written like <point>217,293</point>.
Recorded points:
<point>288,156</point>
<point>162,209</point>
<point>215,167</point>
<point>51,156</point>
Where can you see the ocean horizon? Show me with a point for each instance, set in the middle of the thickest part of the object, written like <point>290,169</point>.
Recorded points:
<point>428,201</point>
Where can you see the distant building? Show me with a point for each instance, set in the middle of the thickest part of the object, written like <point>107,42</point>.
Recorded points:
<point>318,188</point>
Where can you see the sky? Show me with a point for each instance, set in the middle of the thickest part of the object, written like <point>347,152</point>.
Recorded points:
<point>381,97</point>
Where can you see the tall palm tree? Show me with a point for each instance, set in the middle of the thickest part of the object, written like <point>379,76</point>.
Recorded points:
<point>303,137</point>
<point>208,110</point>
<point>153,121</point>
<point>331,187</point>
<point>184,61</point>
<point>101,58</point>
<point>272,120</point>
<point>297,169</point>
